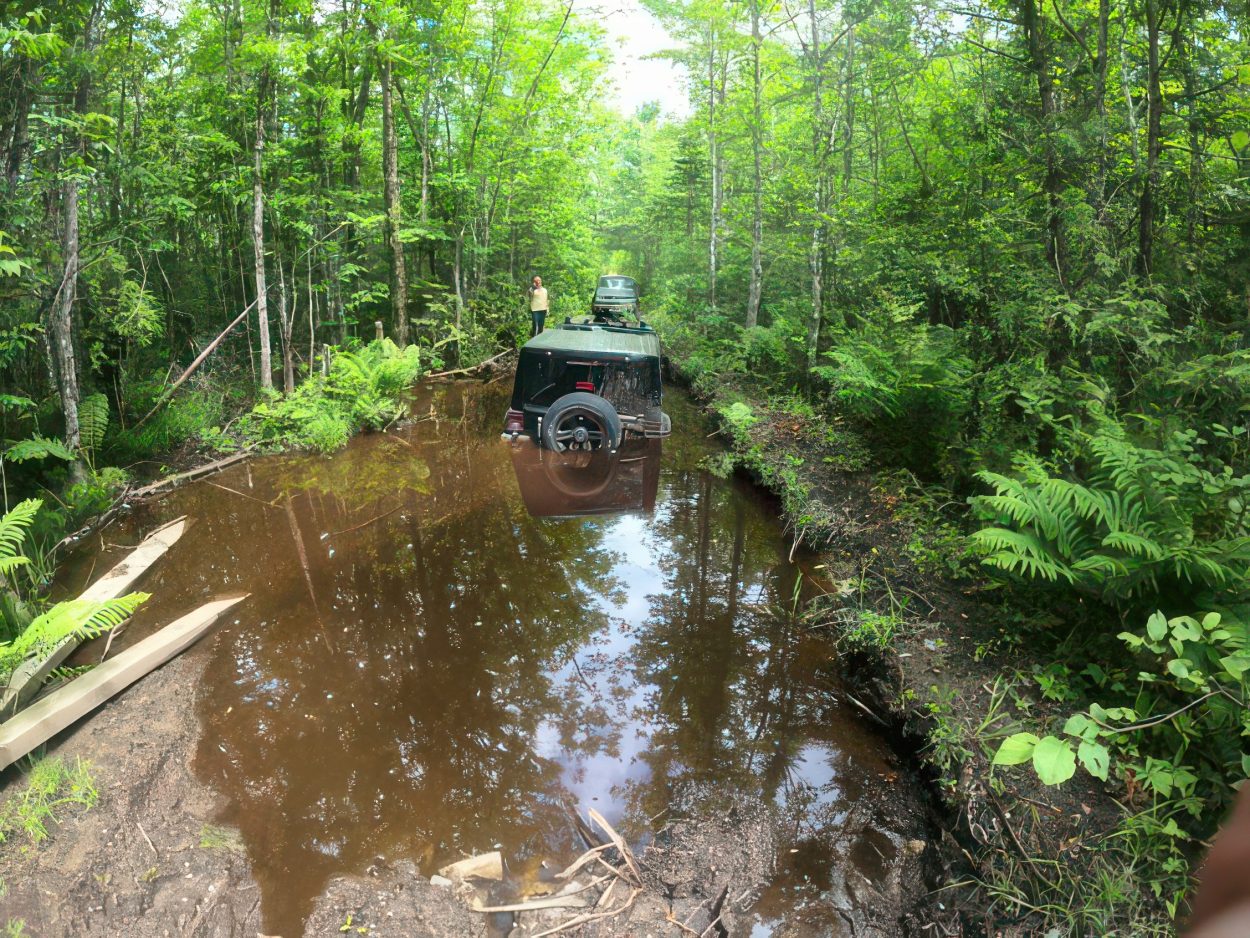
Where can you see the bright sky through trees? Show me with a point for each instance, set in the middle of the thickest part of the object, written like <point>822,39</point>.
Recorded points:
<point>634,78</point>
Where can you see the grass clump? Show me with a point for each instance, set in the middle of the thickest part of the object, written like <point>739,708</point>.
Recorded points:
<point>51,786</point>
<point>213,837</point>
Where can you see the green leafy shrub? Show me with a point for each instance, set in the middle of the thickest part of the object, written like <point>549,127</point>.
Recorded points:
<point>1167,521</point>
<point>906,381</point>
<point>365,389</point>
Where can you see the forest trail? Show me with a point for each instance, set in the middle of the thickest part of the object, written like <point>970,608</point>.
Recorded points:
<point>425,670</point>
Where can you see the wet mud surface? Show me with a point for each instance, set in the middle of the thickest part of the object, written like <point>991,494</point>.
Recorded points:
<point>451,643</point>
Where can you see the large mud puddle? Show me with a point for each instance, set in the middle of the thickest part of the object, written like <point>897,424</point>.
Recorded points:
<point>425,669</point>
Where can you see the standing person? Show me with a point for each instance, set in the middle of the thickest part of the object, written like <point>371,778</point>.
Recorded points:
<point>538,305</point>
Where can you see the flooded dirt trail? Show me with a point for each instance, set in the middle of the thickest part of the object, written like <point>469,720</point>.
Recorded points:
<point>425,669</point>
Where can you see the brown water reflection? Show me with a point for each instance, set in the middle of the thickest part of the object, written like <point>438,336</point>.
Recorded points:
<point>426,669</point>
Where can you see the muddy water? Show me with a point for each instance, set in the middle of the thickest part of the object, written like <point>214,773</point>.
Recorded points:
<point>426,669</point>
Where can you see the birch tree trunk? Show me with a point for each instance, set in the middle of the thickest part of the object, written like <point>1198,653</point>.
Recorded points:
<point>61,334</point>
<point>816,250</point>
<point>714,157</point>
<point>757,210</point>
<point>390,186</point>
<point>258,249</point>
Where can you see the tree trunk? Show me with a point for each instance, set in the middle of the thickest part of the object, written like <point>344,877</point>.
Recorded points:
<point>258,247</point>
<point>1056,239</point>
<point>286,323</point>
<point>757,209</point>
<point>1100,108</point>
<point>62,315</point>
<point>1154,119</point>
<point>816,250</point>
<point>390,186</point>
<point>61,334</point>
<point>17,137</point>
<point>714,158</point>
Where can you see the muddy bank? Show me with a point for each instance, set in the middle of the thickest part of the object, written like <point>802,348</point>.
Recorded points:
<point>147,859</point>
<point>934,658</point>
<point>407,686</point>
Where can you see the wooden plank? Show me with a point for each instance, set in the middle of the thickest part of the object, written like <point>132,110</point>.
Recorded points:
<point>44,719</point>
<point>29,676</point>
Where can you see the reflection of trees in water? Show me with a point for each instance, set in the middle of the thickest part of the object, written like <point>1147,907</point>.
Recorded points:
<point>444,618</point>
<point>731,700</point>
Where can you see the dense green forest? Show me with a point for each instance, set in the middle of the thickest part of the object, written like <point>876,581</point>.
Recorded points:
<point>1003,246</point>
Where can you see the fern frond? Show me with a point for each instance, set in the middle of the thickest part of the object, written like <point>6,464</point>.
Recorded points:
<point>38,447</point>
<point>93,421</point>
<point>15,524</point>
<point>1134,545</point>
<point>9,564</point>
<point>82,617</point>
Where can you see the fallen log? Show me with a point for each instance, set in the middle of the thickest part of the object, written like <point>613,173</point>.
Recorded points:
<point>29,676</point>
<point>198,472</point>
<point>40,722</point>
<point>199,360</point>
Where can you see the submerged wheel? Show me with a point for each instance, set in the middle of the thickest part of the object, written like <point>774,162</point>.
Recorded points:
<point>581,421</point>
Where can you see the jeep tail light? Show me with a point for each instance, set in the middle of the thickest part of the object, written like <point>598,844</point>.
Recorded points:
<point>586,386</point>
<point>514,422</point>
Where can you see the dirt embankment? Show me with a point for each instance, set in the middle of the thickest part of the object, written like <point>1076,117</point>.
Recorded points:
<point>935,662</point>
<point>146,860</point>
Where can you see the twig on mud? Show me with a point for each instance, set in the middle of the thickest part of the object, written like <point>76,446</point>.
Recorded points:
<point>864,707</point>
<point>148,839</point>
<point>673,920</point>
<point>593,916</point>
<point>545,902</point>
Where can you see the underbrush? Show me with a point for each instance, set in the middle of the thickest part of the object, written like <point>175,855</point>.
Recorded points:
<point>365,389</point>
<point>1107,469</point>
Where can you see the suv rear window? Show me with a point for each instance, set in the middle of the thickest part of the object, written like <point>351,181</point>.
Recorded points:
<point>617,283</point>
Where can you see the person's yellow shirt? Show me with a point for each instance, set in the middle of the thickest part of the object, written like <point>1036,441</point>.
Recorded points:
<point>538,299</point>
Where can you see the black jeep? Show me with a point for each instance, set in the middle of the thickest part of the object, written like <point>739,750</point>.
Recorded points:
<point>616,299</point>
<point>582,386</point>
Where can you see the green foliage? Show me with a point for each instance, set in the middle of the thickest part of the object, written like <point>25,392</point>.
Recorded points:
<point>93,422</point>
<point>1144,520</point>
<point>38,447</point>
<point>29,636</point>
<point>188,418</point>
<point>14,526</point>
<point>365,390</point>
<point>907,381</point>
<point>51,787</point>
<point>85,618</point>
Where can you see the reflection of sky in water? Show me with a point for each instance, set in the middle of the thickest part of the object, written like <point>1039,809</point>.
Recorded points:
<point>599,780</point>
<point>594,779</point>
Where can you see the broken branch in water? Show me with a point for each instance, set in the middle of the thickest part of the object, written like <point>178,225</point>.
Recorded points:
<point>480,366</point>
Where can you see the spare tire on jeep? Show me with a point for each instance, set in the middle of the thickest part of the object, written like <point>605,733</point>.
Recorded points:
<point>581,421</point>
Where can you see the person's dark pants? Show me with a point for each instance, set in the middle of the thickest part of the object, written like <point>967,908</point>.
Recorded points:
<point>539,316</point>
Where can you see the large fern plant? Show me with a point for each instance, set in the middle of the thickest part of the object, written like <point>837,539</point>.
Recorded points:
<point>1143,520</point>
<point>25,634</point>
